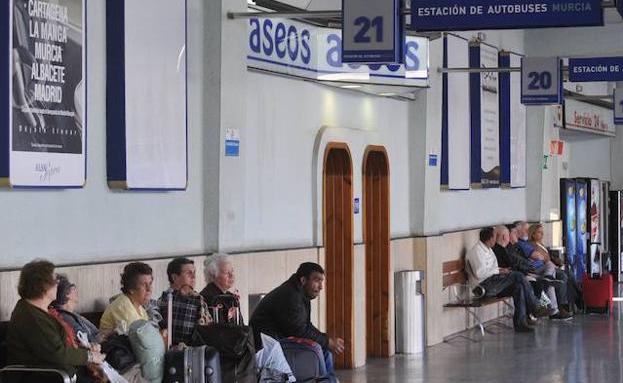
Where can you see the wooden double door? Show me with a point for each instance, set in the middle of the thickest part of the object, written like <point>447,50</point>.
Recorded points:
<point>338,243</point>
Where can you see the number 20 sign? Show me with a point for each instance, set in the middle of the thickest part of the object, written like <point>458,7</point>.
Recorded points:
<point>373,31</point>
<point>541,81</point>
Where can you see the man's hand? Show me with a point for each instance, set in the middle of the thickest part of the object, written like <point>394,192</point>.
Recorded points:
<point>504,270</point>
<point>336,345</point>
<point>96,357</point>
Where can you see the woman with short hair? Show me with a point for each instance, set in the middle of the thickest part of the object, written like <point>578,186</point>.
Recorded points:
<point>35,337</point>
<point>128,307</point>
<point>219,272</point>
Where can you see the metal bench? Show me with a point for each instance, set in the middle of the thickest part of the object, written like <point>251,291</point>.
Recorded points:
<point>456,283</point>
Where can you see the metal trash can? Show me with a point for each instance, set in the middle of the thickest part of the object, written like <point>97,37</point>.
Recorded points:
<point>410,333</point>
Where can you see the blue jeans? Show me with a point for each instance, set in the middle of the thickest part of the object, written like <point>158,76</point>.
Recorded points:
<point>328,363</point>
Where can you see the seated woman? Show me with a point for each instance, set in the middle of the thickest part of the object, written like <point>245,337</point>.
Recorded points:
<point>65,305</point>
<point>35,337</point>
<point>219,273</point>
<point>535,238</point>
<point>136,285</point>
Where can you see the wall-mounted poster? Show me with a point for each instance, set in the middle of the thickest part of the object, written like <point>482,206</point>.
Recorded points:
<point>146,101</point>
<point>43,115</point>
<point>581,199</point>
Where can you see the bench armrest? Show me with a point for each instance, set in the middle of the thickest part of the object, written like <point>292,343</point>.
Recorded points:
<point>17,370</point>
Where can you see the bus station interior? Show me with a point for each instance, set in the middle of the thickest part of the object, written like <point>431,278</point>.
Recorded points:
<point>309,150</point>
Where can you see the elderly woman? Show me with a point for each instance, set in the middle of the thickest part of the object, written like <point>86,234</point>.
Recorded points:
<point>136,287</point>
<point>65,305</point>
<point>219,273</point>
<point>35,337</point>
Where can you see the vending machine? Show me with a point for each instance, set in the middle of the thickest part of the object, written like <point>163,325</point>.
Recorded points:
<point>616,233</point>
<point>582,226</point>
<point>569,236</point>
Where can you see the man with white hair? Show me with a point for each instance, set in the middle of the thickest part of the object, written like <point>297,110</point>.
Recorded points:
<point>219,272</point>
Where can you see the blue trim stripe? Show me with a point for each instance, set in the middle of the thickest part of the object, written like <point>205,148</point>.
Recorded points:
<point>186,84</point>
<point>475,116</point>
<point>504,61</point>
<point>116,166</point>
<point>444,118</point>
<point>85,123</point>
<point>5,77</point>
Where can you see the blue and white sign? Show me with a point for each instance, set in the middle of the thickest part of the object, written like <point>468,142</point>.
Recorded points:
<point>299,49</point>
<point>618,104</point>
<point>596,69</point>
<point>541,81</point>
<point>462,15</point>
<point>372,31</point>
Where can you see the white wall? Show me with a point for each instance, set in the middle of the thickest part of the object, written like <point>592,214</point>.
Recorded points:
<point>94,223</point>
<point>590,158</point>
<point>279,172</point>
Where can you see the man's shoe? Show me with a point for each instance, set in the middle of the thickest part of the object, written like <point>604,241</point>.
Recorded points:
<point>523,328</point>
<point>562,315</point>
<point>531,322</point>
<point>543,311</point>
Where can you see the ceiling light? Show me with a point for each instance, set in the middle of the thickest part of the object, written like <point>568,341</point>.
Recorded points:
<point>350,86</point>
<point>388,94</point>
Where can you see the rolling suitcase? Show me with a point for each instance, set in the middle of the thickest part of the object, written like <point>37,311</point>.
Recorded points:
<point>305,358</point>
<point>192,364</point>
<point>598,293</point>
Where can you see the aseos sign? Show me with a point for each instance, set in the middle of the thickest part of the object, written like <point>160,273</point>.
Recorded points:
<point>298,49</point>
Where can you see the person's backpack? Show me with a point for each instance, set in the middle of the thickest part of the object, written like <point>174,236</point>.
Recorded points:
<point>119,353</point>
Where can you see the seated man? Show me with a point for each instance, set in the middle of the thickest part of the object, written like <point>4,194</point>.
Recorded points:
<point>189,308</point>
<point>285,312</point>
<point>505,254</point>
<point>500,282</point>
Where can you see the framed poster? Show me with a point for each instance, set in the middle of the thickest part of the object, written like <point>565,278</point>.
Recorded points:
<point>146,98</point>
<point>567,187</point>
<point>43,136</point>
<point>581,200</point>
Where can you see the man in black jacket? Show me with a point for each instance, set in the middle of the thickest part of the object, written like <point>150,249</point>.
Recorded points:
<point>285,312</point>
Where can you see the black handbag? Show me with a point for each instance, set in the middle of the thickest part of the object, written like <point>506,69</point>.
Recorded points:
<point>119,352</point>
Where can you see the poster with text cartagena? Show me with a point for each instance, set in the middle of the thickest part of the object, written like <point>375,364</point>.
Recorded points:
<point>47,82</point>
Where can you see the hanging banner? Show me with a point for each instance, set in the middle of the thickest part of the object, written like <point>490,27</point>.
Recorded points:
<point>589,118</point>
<point>372,31</point>
<point>618,104</point>
<point>541,81</point>
<point>43,91</point>
<point>596,69</point>
<point>455,127</point>
<point>146,99</point>
<point>489,119</point>
<point>462,15</point>
<point>302,50</point>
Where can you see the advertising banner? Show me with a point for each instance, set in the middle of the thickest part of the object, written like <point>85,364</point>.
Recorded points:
<point>489,119</point>
<point>146,114</point>
<point>589,118</point>
<point>596,69</point>
<point>44,127</point>
<point>458,15</point>
<point>372,31</point>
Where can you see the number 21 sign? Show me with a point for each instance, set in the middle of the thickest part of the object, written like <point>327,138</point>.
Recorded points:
<point>373,31</point>
<point>541,81</point>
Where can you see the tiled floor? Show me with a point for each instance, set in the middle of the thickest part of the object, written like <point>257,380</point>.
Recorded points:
<point>586,349</point>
